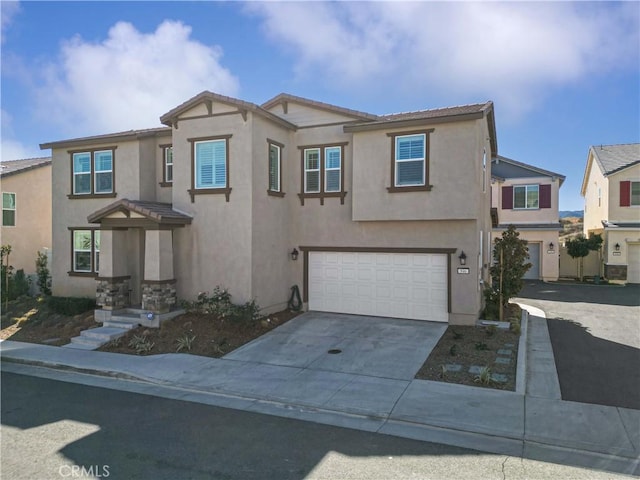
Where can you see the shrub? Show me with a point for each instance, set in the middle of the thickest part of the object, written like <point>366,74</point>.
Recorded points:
<point>42,272</point>
<point>219,304</point>
<point>18,285</point>
<point>71,305</point>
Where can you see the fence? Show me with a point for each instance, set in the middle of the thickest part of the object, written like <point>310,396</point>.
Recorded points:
<point>569,266</point>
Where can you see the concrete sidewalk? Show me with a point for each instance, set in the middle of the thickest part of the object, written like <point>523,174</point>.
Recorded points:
<point>533,422</point>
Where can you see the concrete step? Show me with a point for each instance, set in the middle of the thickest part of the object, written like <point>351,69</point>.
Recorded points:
<point>80,346</point>
<point>103,334</point>
<point>117,323</point>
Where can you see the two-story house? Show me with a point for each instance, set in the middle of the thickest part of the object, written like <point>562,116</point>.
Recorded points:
<point>611,191</point>
<point>379,208</point>
<point>26,210</point>
<point>527,197</point>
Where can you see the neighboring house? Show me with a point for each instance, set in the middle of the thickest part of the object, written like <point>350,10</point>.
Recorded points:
<point>26,210</point>
<point>611,191</point>
<point>380,208</point>
<point>527,197</point>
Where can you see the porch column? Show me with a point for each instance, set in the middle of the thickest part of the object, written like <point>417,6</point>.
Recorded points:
<point>158,286</point>
<point>112,291</point>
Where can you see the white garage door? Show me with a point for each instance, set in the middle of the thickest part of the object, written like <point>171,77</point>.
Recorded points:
<point>403,285</point>
<point>633,260</point>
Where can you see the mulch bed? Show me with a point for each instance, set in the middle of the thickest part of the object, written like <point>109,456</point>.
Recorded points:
<point>469,346</point>
<point>212,336</point>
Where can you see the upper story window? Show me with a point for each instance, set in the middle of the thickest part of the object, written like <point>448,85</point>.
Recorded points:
<point>323,172</point>
<point>210,166</point>
<point>275,168</point>
<point>85,251</point>
<point>410,161</point>
<point>8,209</point>
<point>526,196</point>
<point>93,173</point>
<point>167,165</point>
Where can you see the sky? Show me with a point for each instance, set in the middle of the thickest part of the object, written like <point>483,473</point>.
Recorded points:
<point>563,75</point>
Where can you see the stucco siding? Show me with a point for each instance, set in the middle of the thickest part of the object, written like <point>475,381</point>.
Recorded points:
<point>216,248</point>
<point>522,216</point>
<point>32,230</point>
<point>453,173</point>
<point>596,199</point>
<point>304,116</point>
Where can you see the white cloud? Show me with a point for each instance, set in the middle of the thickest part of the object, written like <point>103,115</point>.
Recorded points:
<point>511,52</point>
<point>130,79</point>
<point>11,149</point>
<point>8,10</point>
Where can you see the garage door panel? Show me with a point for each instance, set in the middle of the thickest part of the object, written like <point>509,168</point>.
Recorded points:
<point>633,260</point>
<point>379,284</point>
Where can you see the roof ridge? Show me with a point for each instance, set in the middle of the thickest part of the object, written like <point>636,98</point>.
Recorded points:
<point>324,105</point>
<point>436,108</point>
<point>48,157</point>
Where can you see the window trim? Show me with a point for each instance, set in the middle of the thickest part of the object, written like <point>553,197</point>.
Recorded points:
<point>526,192</point>
<point>393,188</point>
<point>14,209</point>
<point>166,182</point>
<point>321,194</point>
<point>280,147</point>
<point>92,173</point>
<point>93,252</point>
<point>226,190</point>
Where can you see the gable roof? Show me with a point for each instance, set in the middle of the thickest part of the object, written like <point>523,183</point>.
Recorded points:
<point>171,117</point>
<point>284,98</point>
<point>12,167</point>
<point>161,213</point>
<point>436,115</point>
<point>118,136</point>
<point>503,168</point>
<point>611,159</point>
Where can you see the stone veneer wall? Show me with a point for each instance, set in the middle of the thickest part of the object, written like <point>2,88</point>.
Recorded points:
<point>615,272</point>
<point>159,297</point>
<point>113,293</point>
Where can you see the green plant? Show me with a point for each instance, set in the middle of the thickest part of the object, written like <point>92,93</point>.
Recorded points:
<point>457,335</point>
<point>491,330</point>
<point>19,285</point>
<point>580,247</point>
<point>484,376</point>
<point>248,312</point>
<point>481,346</point>
<point>453,350</point>
<point>443,371</point>
<point>71,305</point>
<point>42,273</point>
<point>219,303</point>
<point>185,342</point>
<point>141,344</point>
<point>509,266</point>
<point>491,304</point>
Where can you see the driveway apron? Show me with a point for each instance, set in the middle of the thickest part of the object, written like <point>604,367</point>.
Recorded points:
<point>595,335</point>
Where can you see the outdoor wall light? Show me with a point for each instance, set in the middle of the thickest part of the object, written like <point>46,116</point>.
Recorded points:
<point>294,254</point>
<point>617,247</point>
<point>551,245</point>
<point>463,258</point>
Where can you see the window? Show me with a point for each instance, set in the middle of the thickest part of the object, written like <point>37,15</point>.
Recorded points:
<point>210,166</point>
<point>168,164</point>
<point>635,193</point>
<point>323,172</point>
<point>8,209</point>
<point>85,251</point>
<point>484,170</point>
<point>410,161</point>
<point>275,168</point>
<point>526,196</point>
<point>93,173</point>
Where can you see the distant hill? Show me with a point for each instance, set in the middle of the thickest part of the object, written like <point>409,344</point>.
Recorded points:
<point>571,213</point>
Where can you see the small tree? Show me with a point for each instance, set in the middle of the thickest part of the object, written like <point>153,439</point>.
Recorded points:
<point>6,272</point>
<point>580,247</point>
<point>42,272</point>
<point>510,256</point>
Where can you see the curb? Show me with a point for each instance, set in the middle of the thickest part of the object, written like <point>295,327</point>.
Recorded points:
<point>521,370</point>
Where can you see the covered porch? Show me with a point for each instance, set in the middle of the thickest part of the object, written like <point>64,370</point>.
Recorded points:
<point>136,255</point>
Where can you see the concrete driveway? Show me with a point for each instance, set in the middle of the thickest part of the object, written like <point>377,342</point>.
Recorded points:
<point>380,347</point>
<point>595,334</point>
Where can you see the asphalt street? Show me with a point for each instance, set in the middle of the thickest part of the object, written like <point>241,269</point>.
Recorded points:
<point>595,334</point>
<point>54,429</point>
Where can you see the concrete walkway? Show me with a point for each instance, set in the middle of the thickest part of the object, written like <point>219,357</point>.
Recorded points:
<point>532,422</point>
